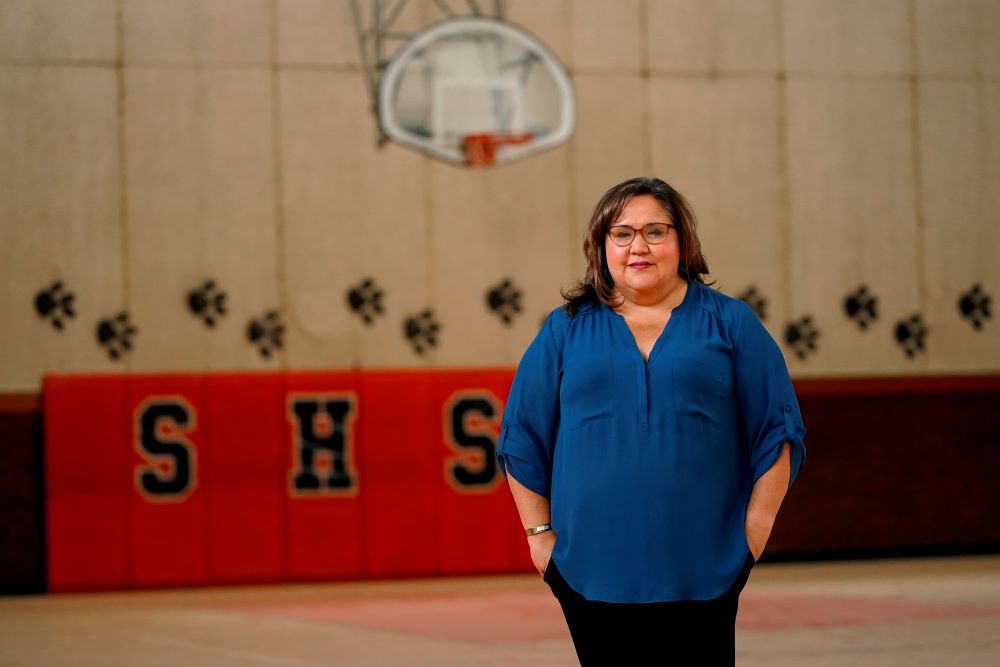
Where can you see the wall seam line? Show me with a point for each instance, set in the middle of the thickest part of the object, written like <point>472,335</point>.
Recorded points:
<point>129,569</point>
<point>278,184</point>
<point>918,181</point>
<point>123,199</point>
<point>784,172</point>
<point>573,247</point>
<point>646,117</point>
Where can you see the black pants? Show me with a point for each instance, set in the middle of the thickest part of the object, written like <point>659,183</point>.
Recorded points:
<point>686,633</point>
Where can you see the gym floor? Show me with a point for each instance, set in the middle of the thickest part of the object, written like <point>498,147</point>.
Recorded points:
<point>938,611</point>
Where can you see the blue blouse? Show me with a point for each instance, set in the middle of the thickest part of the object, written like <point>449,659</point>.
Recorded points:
<point>649,465</point>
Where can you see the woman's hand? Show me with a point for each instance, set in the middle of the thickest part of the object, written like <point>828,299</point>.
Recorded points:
<point>765,499</point>
<point>758,528</point>
<point>541,549</point>
<point>534,511</point>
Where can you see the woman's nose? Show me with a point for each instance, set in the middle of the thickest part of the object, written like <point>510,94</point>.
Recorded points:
<point>639,245</point>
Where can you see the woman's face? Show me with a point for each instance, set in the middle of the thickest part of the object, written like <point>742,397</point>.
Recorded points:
<point>641,268</point>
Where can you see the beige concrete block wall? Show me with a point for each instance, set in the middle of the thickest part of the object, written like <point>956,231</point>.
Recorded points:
<point>960,142</point>
<point>470,247</point>
<point>548,21</point>
<point>350,212</point>
<point>847,37</point>
<point>155,144</point>
<point>201,207</point>
<point>702,36</point>
<point>853,219</point>
<point>197,31</point>
<point>58,30</point>
<point>59,217</point>
<point>163,152</point>
<point>488,227</point>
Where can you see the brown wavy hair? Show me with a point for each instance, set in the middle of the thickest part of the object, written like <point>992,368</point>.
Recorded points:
<point>597,284</point>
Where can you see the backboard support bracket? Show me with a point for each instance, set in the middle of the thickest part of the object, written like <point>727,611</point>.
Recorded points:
<point>377,40</point>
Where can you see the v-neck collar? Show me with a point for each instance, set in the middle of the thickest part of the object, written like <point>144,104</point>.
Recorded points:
<point>668,328</point>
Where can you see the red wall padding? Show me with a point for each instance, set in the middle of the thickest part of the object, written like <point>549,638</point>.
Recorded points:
<point>401,483</point>
<point>87,483</point>
<point>896,466</point>
<point>323,533</point>
<point>245,497</point>
<point>167,541</point>
<point>122,513</point>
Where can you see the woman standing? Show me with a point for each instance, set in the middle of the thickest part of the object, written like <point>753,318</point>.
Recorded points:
<point>649,437</point>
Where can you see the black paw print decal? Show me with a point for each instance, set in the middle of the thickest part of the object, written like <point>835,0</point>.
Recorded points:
<point>266,333</point>
<point>801,336</point>
<point>207,302</point>
<point>504,300</point>
<point>755,300</point>
<point>115,334</point>
<point>421,330</point>
<point>366,300</point>
<point>861,306</point>
<point>975,306</point>
<point>910,334</point>
<point>55,305</point>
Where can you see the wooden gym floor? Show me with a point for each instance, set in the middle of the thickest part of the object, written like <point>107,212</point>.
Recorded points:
<point>941,611</point>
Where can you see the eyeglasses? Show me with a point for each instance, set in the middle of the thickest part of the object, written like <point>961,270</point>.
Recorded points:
<point>653,233</point>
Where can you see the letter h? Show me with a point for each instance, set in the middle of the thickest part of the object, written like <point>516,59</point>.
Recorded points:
<point>308,444</point>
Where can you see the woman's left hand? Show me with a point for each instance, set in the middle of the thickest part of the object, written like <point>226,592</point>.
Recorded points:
<point>765,499</point>
<point>758,529</point>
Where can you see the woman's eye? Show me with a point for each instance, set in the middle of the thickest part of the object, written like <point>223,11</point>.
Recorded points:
<point>655,234</point>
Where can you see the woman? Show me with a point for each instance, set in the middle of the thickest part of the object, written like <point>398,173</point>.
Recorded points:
<point>649,437</point>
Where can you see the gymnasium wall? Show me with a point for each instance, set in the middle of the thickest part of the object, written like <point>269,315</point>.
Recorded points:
<point>168,157</point>
<point>152,146</point>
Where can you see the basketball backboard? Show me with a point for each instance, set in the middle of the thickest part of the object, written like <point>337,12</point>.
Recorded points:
<point>475,90</point>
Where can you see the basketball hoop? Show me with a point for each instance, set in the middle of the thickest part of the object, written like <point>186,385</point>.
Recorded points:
<point>481,149</point>
<point>465,76</point>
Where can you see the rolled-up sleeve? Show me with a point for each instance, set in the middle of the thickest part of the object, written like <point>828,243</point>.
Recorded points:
<point>767,400</point>
<point>531,416</point>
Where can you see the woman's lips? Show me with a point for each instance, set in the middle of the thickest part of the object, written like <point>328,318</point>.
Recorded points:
<point>639,265</point>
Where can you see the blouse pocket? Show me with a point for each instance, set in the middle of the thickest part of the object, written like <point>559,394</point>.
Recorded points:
<point>700,385</point>
<point>587,390</point>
